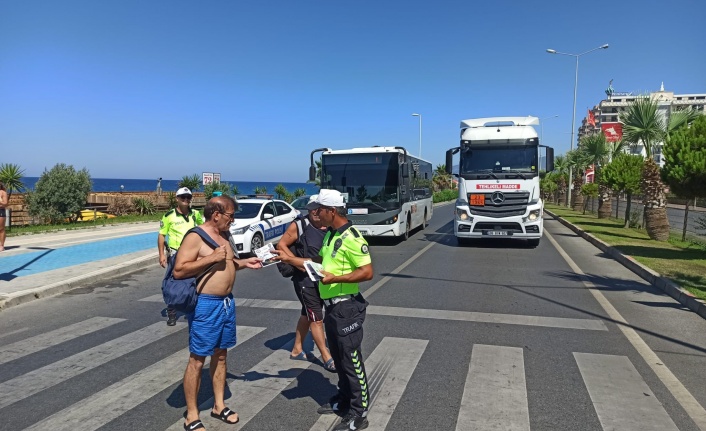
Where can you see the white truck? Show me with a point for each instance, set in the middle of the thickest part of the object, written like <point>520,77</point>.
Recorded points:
<point>498,179</point>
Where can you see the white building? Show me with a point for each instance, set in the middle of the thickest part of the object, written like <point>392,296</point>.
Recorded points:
<point>607,113</point>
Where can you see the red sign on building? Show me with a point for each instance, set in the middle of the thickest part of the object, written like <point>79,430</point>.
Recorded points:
<point>612,131</point>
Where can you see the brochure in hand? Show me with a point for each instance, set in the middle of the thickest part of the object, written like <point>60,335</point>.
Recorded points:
<point>314,270</point>
<point>265,253</point>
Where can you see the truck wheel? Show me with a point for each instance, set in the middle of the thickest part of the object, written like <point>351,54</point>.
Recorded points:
<point>256,242</point>
<point>534,242</point>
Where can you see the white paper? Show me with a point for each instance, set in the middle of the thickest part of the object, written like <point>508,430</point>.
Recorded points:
<point>314,270</point>
<point>265,253</point>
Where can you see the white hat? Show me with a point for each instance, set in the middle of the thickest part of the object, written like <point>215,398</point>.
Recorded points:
<point>312,199</point>
<point>183,191</point>
<point>327,198</point>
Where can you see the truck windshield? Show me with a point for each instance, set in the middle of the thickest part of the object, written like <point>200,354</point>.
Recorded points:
<point>371,180</point>
<point>509,159</point>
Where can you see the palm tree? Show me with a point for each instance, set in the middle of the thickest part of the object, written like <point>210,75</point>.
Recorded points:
<point>11,176</point>
<point>643,125</point>
<point>578,162</point>
<point>596,149</point>
<point>561,167</point>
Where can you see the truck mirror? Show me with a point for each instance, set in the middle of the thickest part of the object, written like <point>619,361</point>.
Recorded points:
<point>550,159</point>
<point>449,162</point>
<point>312,173</point>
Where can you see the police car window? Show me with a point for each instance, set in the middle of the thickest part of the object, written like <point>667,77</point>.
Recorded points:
<point>269,208</point>
<point>246,210</point>
<point>282,208</point>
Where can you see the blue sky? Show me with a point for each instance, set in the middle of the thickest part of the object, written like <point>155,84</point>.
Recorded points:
<point>147,89</point>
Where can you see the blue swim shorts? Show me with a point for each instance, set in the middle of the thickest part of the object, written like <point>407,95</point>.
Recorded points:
<point>212,324</point>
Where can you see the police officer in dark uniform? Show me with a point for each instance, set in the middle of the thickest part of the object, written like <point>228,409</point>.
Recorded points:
<point>346,262</point>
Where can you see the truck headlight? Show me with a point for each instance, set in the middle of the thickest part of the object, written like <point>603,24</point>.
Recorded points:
<point>534,215</point>
<point>240,230</point>
<point>462,215</point>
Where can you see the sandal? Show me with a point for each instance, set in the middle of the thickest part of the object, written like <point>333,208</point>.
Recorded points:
<point>197,424</point>
<point>224,415</point>
<point>300,357</point>
<point>330,366</point>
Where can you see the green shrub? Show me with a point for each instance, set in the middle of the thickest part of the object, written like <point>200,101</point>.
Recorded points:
<point>209,189</point>
<point>60,194</point>
<point>143,206</point>
<point>191,182</point>
<point>445,195</point>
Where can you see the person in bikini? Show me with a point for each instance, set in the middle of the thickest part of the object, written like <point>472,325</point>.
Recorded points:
<point>212,323</point>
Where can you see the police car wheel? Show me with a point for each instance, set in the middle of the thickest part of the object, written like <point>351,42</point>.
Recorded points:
<point>256,242</point>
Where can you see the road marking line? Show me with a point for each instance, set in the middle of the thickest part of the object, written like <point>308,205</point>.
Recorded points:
<point>397,270</point>
<point>98,409</point>
<point>620,396</point>
<point>692,407</point>
<point>21,387</point>
<point>52,338</point>
<point>389,368</point>
<point>495,393</point>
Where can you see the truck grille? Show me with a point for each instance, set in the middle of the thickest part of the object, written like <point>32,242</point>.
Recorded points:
<point>513,204</point>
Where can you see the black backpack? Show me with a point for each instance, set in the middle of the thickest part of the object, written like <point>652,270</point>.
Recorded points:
<point>308,243</point>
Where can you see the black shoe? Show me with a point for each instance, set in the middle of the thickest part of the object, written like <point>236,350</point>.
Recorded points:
<point>352,422</point>
<point>171,317</point>
<point>335,406</point>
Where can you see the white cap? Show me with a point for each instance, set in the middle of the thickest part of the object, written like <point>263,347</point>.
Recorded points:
<point>327,198</point>
<point>183,191</point>
<point>312,199</point>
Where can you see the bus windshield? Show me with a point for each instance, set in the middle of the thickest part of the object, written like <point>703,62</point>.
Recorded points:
<point>371,180</point>
<point>499,159</point>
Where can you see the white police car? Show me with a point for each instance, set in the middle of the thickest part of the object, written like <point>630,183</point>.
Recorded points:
<point>259,221</point>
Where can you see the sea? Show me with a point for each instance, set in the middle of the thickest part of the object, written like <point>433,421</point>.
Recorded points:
<point>138,185</point>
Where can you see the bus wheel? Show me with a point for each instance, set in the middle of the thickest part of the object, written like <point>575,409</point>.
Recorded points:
<point>425,223</point>
<point>405,236</point>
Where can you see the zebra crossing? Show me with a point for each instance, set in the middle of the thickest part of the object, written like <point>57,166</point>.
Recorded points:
<point>494,397</point>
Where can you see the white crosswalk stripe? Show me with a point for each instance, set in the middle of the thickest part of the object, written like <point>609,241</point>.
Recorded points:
<point>126,394</point>
<point>495,393</point>
<point>389,369</point>
<point>52,338</point>
<point>622,400</point>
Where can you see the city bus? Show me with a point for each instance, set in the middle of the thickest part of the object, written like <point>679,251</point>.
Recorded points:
<point>388,192</point>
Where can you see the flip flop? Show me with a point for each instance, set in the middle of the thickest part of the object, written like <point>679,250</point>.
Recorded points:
<point>197,424</point>
<point>330,366</point>
<point>300,357</point>
<point>224,415</point>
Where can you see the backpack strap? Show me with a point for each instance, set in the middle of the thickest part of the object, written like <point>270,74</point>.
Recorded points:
<point>204,236</point>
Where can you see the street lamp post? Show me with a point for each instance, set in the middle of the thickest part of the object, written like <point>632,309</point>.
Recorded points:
<point>573,119</point>
<point>420,132</point>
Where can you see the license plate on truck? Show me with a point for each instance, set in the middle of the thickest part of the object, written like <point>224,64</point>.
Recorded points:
<point>498,233</point>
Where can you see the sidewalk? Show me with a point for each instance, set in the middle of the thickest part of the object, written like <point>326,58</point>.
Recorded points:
<point>41,265</point>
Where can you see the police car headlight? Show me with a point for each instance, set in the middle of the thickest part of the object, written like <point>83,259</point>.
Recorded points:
<point>462,215</point>
<point>534,215</point>
<point>240,230</point>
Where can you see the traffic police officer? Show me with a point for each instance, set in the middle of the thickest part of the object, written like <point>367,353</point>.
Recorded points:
<point>173,226</point>
<point>346,262</point>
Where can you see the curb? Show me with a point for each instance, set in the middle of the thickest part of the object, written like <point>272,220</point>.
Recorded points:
<point>684,297</point>
<point>100,275</point>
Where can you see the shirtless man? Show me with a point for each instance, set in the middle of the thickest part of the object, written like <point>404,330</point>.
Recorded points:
<point>212,323</point>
